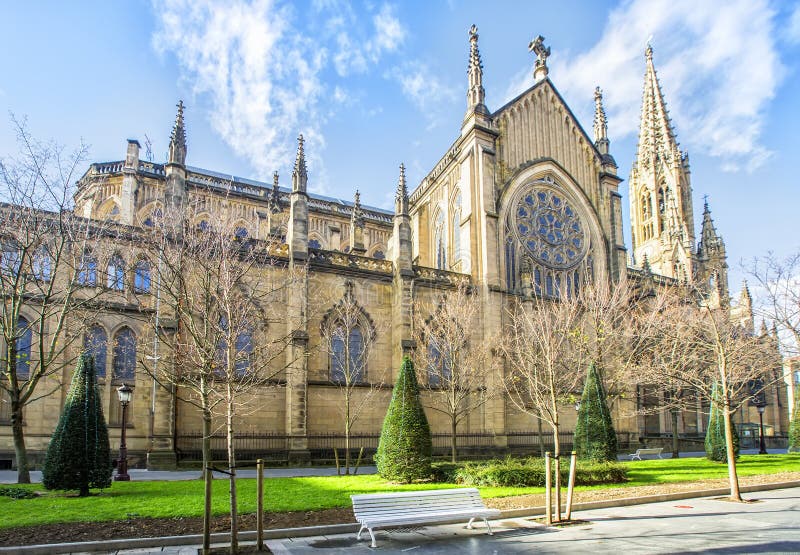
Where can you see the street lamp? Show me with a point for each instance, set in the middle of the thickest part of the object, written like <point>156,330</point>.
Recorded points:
<point>762,444</point>
<point>125,393</point>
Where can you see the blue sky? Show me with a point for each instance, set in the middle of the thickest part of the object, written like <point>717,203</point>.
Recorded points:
<point>372,84</point>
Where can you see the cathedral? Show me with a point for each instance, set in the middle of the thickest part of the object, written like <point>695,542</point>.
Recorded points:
<point>523,202</point>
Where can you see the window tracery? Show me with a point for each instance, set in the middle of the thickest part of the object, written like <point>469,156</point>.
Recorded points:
<point>547,242</point>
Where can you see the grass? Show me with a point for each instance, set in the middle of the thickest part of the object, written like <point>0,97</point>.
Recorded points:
<point>125,500</point>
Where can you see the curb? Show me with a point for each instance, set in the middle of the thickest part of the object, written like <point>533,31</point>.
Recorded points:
<point>250,535</point>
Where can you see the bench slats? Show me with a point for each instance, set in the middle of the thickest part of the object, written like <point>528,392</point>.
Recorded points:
<point>375,510</point>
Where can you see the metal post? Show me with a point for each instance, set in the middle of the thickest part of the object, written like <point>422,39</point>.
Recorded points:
<point>122,464</point>
<point>762,443</point>
<point>548,501</point>
<point>260,504</point>
<point>573,458</point>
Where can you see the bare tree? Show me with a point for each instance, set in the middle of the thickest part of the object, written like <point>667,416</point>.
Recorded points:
<point>348,336</point>
<point>778,293</point>
<point>454,367</point>
<point>43,275</point>
<point>700,348</point>
<point>219,294</point>
<point>544,365</point>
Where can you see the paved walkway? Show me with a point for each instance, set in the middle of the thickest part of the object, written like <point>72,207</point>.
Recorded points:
<point>707,525</point>
<point>10,476</point>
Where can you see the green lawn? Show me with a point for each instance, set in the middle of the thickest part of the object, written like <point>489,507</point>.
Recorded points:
<point>173,499</point>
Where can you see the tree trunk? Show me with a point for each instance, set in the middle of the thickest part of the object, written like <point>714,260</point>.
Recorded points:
<point>675,440</point>
<point>347,430</point>
<point>453,439</point>
<point>206,440</point>
<point>732,476</point>
<point>557,456</point>
<point>232,470</point>
<point>541,442</point>
<point>23,471</point>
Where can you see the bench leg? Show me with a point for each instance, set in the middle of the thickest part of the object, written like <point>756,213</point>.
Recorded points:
<point>488,527</point>
<point>469,524</point>
<point>358,536</point>
<point>371,535</point>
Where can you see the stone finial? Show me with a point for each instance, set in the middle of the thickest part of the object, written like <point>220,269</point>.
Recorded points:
<point>646,265</point>
<point>476,95</point>
<point>744,297</point>
<point>648,52</point>
<point>542,52</point>
<point>600,122</point>
<point>274,195</point>
<point>299,174</point>
<point>177,139</point>
<point>401,196</point>
<point>358,213</point>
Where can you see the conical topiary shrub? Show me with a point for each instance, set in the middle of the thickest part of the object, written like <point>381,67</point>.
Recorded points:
<point>79,455</point>
<point>404,450</point>
<point>716,449</point>
<point>794,425</point>
<point>595,438</point>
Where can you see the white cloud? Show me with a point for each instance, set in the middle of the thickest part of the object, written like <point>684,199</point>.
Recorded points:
<point>792,31</point>
<point>262,67</point>
<point>717,62</point>
<point>423,88</point>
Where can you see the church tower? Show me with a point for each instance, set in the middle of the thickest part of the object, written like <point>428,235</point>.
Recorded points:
<point>712,265</point>
<point>660,190</point>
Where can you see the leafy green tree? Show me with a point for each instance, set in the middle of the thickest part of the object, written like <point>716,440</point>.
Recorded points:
<point>404,451</point>
<point>716,449</point>
<point>595,438</point>
<point>794,425</point>
<point>79,455</point>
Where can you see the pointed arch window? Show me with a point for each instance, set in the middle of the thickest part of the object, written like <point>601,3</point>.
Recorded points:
<point>456,229</point>
<point>240,232</point>
<point>243,345</point>
<point>439,243</point>
<point>42,265</point>
<point>24,342</point>
<point>141,277</point>
<point>95,343</point>
<point>440,364</point>
<point>347,360</point>
<point>87,272</point>
<point>115,274</point>
<point>124,363</point>
<point>10,260</point>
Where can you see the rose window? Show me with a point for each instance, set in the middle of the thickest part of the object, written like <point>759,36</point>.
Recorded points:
<point>549,228</point>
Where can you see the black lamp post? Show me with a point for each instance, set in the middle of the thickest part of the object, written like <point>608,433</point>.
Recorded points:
<point>762,444</point>
<point>125,394</point>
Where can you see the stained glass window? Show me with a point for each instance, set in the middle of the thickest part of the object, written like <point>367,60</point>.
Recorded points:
<point>115,276</point>
<point>24,343</point>
<point>95,343</point>
<point>87,274</point>
<point>339,367</point>
<point>42,265</point>
<point>141,277</point>
<point>124,363</point>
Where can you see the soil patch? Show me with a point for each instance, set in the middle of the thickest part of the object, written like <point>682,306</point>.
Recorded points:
<point>154,527</point>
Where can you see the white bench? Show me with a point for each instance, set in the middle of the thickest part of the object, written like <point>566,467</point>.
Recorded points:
<point>381,510</point>
<point>650,451</point>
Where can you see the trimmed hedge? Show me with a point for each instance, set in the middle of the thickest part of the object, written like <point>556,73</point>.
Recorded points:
<point>525,473</point>
<point>595,438</point>
<point>405,446</point>
<point>716,446</point>
<point>17,493</point>
<point>794,426</point>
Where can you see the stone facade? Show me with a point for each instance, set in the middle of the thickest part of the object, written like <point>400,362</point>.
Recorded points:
<point>472,219</point>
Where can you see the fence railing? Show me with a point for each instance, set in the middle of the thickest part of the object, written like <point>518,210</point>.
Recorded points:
<point>275,446</point>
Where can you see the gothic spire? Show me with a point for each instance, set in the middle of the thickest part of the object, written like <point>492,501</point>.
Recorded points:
<point>710,241</point>
<point>401,196</point>
<point>177,139</point>
<point>476,95</point>
<point>600,122</point>
<point>744,297</point>
<point>299,174</point>
<point>357,218</point>
<point>274,195</point>
<point>656,135</point>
